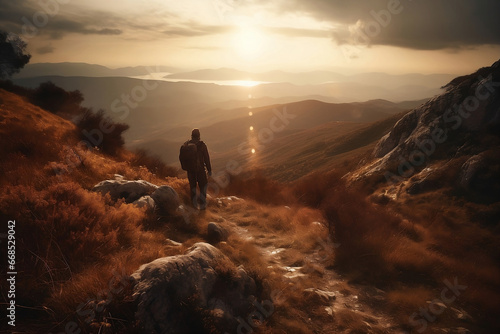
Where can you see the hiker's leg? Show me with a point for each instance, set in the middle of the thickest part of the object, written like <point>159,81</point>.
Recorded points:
<point>203,183</point>
<point>192,188</point>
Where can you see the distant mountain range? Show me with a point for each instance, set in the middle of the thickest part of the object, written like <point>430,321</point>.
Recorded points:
<point>382,80</point>
<point>388,81</point>
<point>87,70</point>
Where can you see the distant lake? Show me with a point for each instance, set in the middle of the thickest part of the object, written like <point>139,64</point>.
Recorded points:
<point>161,77</point>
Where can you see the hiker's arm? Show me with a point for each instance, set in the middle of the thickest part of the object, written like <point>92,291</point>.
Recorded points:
<point>206,157</point>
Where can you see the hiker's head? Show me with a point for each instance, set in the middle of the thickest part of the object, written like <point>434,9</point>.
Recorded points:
<point>195,134</point>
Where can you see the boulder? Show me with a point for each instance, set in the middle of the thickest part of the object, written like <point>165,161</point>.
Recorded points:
<point>216,233</point>
<point>186,293</point>
<point>129,190</point>
<point>166,199</point>
<point>145,201</point>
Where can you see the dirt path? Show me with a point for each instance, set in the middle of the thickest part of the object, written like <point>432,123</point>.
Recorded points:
<point>324,300</point>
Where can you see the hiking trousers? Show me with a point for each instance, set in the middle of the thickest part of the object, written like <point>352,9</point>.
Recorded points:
<point>198,178</point>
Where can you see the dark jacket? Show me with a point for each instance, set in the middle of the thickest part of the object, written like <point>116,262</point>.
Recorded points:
<point>203,157</point>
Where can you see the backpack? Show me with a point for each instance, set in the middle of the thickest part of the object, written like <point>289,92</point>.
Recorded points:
<point>188,156</point>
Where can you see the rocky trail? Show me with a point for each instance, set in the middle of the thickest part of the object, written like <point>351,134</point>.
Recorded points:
<point>301,259</point>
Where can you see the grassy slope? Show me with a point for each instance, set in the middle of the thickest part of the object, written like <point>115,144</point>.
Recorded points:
<point>70,240</point>
<point>322,148</point>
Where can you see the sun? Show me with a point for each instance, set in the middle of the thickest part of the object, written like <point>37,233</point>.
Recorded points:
<point>249,42</point>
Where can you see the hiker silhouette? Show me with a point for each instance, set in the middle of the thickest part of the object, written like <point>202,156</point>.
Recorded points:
<point>194,159</point>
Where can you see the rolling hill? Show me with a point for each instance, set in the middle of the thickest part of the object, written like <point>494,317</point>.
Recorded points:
<point>270,125</point>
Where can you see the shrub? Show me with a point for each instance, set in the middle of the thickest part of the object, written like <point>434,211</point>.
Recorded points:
<point>63,228</point>
<point>254,185</point>
<point>101,131</point>
<point>56,100</point>
<point>11,87</point>
<point>154,163</point>
<point>364,231</point>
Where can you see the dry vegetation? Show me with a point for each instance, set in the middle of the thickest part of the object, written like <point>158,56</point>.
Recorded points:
<point>409,248</point>
<point>75,246</point>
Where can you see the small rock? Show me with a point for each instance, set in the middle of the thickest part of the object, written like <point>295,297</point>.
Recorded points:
<point>145,201</point>
<point>470,169</point>
<point>171,242</point>
<point>318,296</point>
<point>461,314</point>
<point>129,190</point>
<point>166,199</point>
<point>216,233</point>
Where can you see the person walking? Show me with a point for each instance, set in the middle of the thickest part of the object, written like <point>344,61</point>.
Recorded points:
<point>195,159</point>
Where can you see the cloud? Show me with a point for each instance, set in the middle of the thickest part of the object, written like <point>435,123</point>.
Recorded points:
<point>204,48</point>
<point>26,15</point>
<point>296,32</point>
<point>45,50</point>
<point>422,24</point>
<point>194,30</point>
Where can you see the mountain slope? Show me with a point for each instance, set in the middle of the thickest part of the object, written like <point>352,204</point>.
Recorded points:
<point>455,134</point>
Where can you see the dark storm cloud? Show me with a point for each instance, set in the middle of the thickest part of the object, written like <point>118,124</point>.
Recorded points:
<point>421,24</point>
<point>29,18</point>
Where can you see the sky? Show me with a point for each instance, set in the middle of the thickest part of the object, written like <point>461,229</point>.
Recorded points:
<point>348,36</point>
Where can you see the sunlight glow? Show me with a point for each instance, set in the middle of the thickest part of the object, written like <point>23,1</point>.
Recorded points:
<point>253,151</point>
<point>251,128</point>
<point>249,43</point>
<point>250,113</point>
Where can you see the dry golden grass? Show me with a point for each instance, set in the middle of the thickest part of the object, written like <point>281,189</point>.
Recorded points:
<point>73,243</point>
